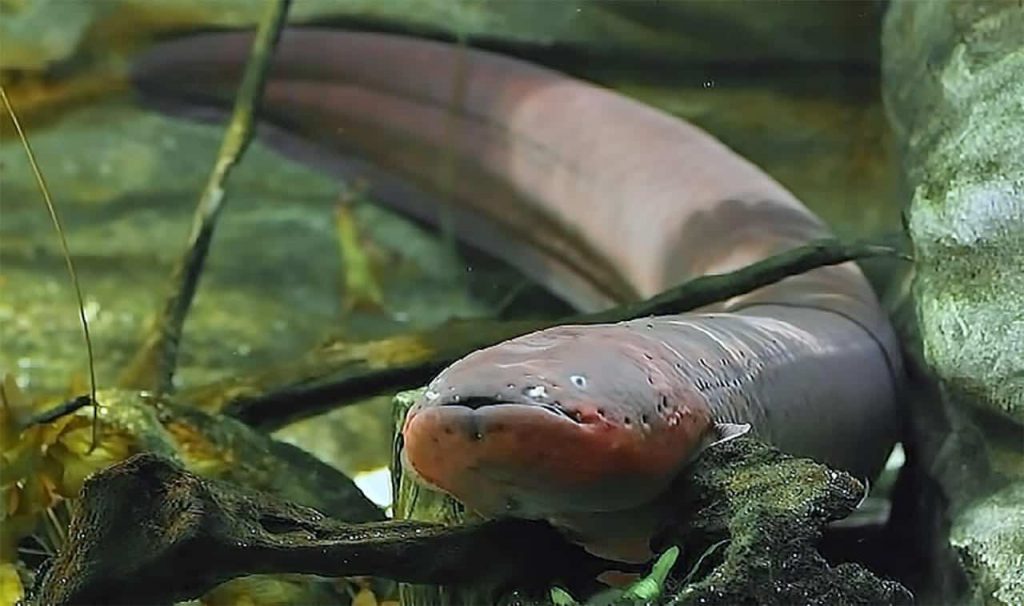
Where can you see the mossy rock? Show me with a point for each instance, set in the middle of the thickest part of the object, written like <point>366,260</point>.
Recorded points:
<point>771,508</point>
<point>953,84</point>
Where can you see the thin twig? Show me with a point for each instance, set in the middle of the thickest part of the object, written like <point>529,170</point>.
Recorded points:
<point>154,365</point>
<point>66,251</point>
<point>706,290</point>
<point>331,379</point>
<point>61,410</point>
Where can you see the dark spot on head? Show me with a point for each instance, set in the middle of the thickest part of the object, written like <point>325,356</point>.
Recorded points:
<point>648,356</point>
<point>448,430</point>
<point>478,435</point>
<point>627,421</point>
<point>600,412</point>
<point>650,379</point>
<point>644,419</point>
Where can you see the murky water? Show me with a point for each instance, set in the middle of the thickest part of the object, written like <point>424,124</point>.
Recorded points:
<point>126,178</point>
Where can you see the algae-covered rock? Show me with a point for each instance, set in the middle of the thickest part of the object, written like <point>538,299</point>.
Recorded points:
<point>954,89</point>
<point>35,33</point>
<point>771,508</point>
<point>989,535</point>
<point>749,519</point>
<point>58,457</point>
<point>954,76</point>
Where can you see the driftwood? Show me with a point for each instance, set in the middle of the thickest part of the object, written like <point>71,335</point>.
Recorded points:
<point>146,531</point>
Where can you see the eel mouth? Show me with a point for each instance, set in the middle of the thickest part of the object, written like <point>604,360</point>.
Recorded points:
<point>530,460</point>
<point>481,402</point>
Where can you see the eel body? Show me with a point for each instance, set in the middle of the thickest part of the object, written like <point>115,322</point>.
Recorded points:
<point>602,199</point>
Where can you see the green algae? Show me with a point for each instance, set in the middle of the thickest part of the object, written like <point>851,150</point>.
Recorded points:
<point>771,507</point>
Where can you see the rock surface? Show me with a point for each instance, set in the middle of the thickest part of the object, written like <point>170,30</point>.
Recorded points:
<point>954,89</point>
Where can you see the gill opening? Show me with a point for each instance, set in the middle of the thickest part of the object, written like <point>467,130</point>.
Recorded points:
<point>65,250</point>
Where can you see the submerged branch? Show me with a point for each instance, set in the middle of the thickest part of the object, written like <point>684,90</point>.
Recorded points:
<point>146,531</point>
<point>154,364</point>
<point>340,375</point>
<point>706,290</point>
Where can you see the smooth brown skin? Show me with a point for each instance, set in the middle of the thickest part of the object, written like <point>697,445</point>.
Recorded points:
<point>604,200</point>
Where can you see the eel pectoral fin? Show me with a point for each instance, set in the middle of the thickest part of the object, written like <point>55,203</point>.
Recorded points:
<point>721,433</point>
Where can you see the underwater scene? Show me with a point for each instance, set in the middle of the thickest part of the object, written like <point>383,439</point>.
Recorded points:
<point>511,302</point>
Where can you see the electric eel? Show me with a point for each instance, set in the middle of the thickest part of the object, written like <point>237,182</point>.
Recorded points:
<point>601,199</point>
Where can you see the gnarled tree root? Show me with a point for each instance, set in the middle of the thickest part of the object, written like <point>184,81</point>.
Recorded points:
<point>146,531</point>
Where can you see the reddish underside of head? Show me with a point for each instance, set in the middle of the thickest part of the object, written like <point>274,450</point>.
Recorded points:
<point>523,459</point>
